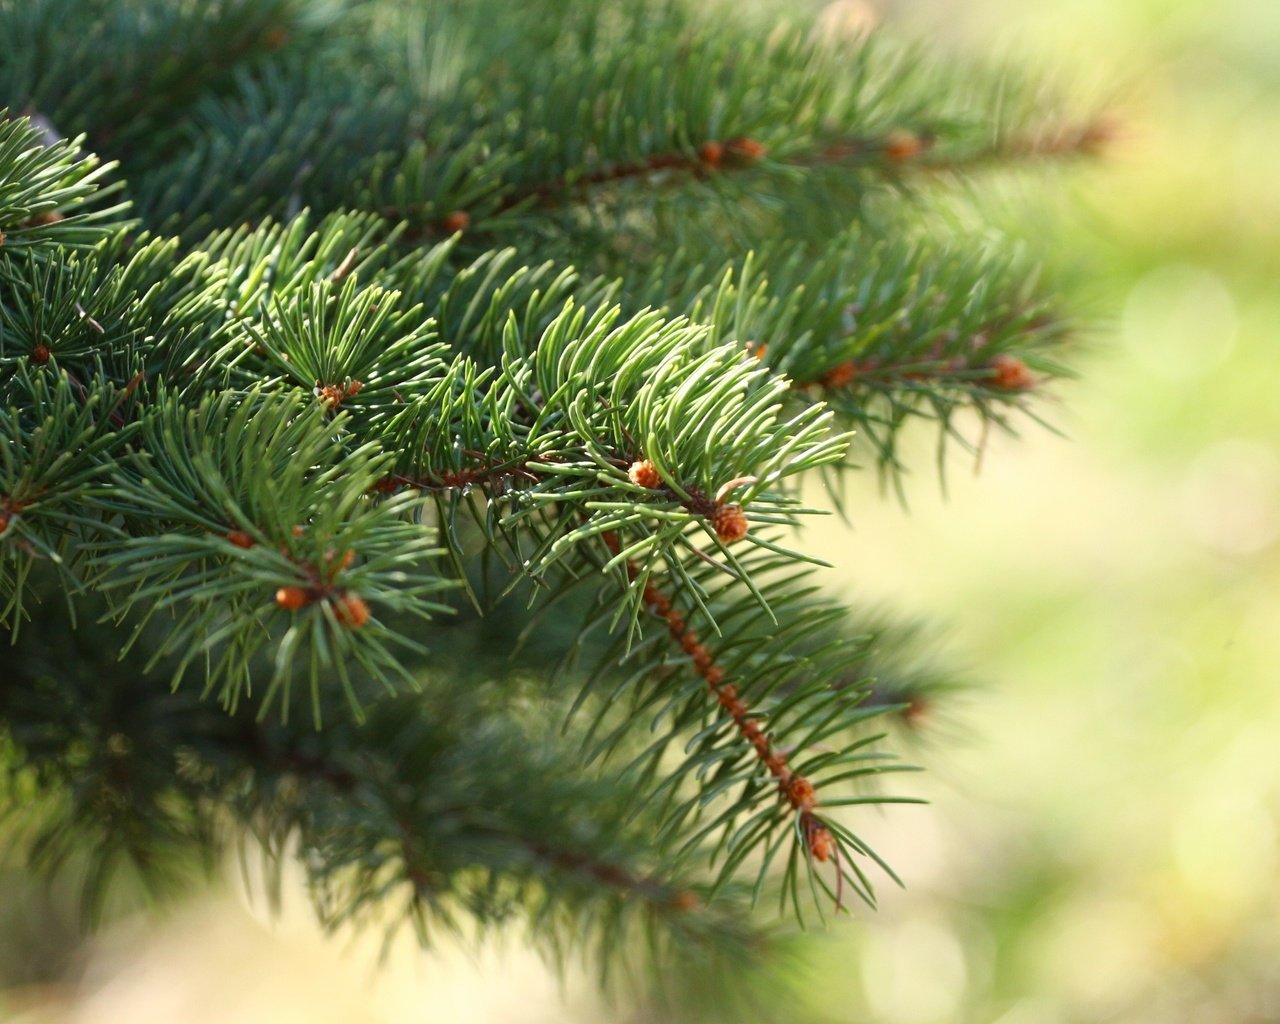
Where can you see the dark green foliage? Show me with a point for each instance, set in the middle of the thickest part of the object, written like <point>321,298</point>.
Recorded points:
<point>438,343</point>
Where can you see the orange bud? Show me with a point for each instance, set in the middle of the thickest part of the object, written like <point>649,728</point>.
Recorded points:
<point>686,900</point>
<point>746,149</point>
<point>839,376</point>
<point>711,153</point>
<point>821,843</point>
<point>349,609</point>
<point>729,523</point>
<point>645,474</point>
<point>330,395</point>
<point>801,793</point>
<point>458,220</point>
<point>240,539</point>
<point>901,145</point>
<point>292,598</point>
<point>1011,374</point>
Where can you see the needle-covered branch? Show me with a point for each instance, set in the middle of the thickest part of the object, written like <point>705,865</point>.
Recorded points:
<point>452,341</point>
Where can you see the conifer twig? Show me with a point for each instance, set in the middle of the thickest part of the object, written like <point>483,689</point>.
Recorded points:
<point>793,788</point>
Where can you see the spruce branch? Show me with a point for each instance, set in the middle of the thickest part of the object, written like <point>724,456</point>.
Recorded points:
<point>315,438</point>
<point>51,193</point>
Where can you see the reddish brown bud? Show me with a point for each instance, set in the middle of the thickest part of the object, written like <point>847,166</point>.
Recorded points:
<point>916,711</point>
<point>801,794</point>
<point>1011,374</point>
<point>4,520</point>
<point>839,376</point>
<point>645,474</point>
<point>40,354</point>
<point>458,220</point>
<point>240,539</point>
<point>821,843</point>
<point>686,900</point>
<point>901,145</point>
<point>748,150</point>
<point>711,153</point>
<point>349,609</point>
<point>275,37</point>
<point>729,523</point>
<point>292,598</point>
<point>330,395</point>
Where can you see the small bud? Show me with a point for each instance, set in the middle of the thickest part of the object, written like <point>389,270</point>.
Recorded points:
<point>839,376</point>
<point>292,598</point>
<point>901,146</point>
<point>458,220</point>
<point>275,37</point>
<point>4,521</point>
<point>729,523</point>
<point>349,609</point>
<point>821,844</point>
<point>330,395</point>
<point>744,149</point>
<point>40,354</point>
<point>240,539</point>
<point>645,474</point>
<point>916,711</point>
<point>1011,374</point>
<point>801,793</point>
<point>686,900</point>
<point>711,153</point>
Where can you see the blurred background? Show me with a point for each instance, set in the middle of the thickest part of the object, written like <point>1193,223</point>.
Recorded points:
<point>1104,837</point>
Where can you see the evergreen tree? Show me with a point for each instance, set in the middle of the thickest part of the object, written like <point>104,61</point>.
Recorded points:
<point>362,360</point>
